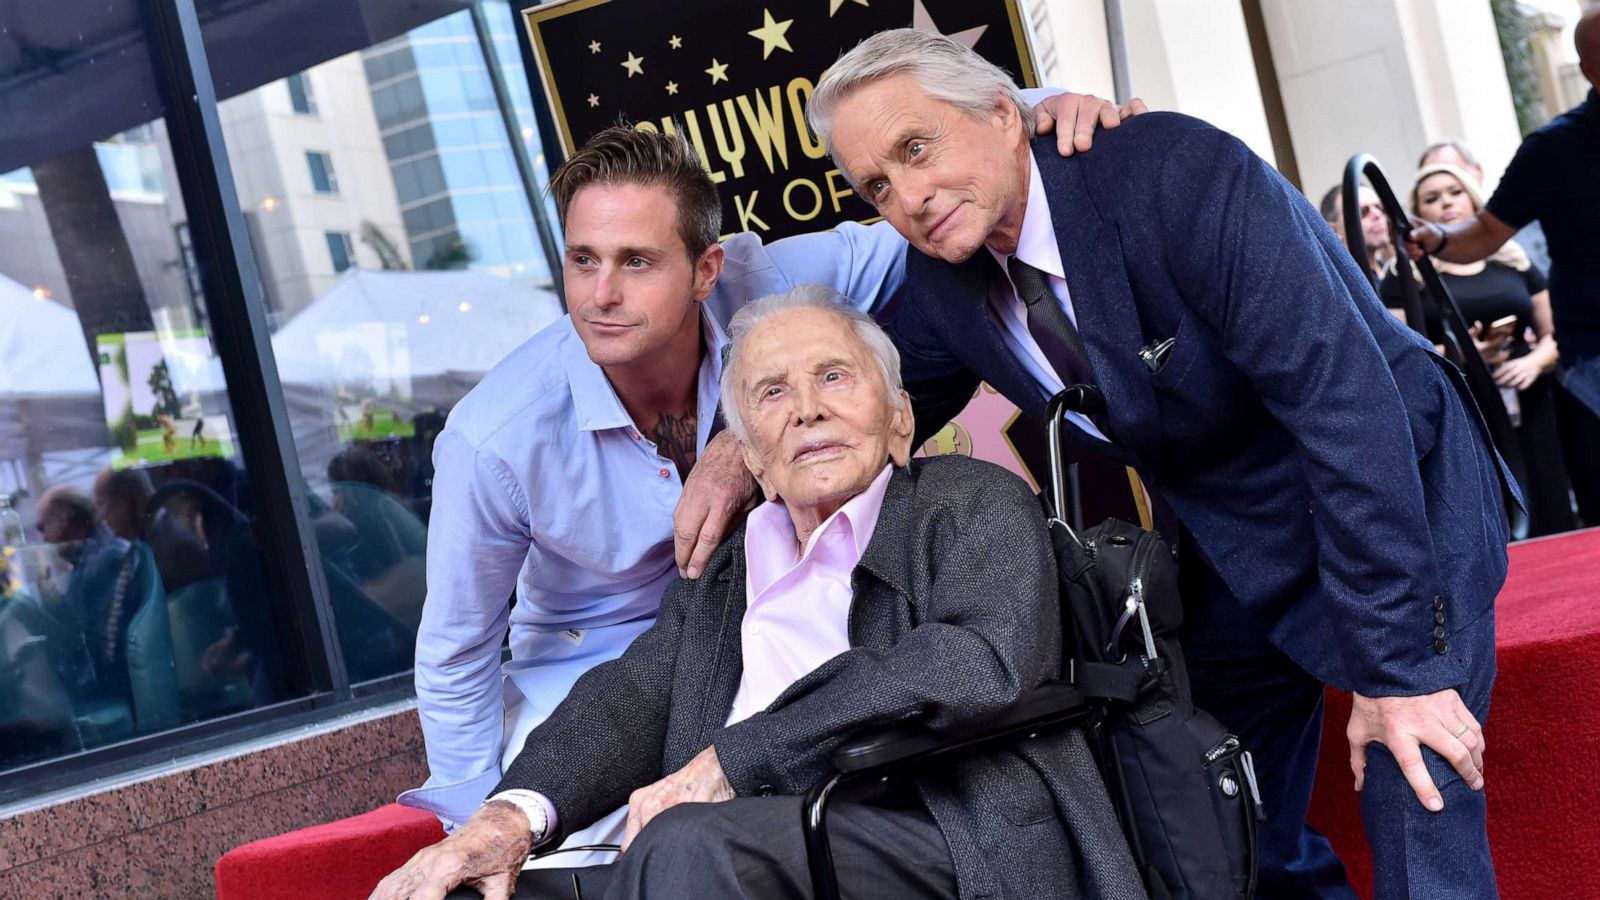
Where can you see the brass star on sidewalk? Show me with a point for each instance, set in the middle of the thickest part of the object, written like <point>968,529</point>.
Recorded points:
<point>718,71</point>
<point>771,34</point>
<point>634,64</point>
<point>593,101</point>
<point>675,42</point>
<point>672,87</point>
<point>921,21</point>
<point>833,5</point>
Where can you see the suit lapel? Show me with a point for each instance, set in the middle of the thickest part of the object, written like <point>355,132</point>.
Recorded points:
<point>722,679</point>
<point>1108,319</point>
<point>970,331</point>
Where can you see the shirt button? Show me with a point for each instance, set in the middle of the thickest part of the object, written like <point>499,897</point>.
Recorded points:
<point>635,434</point>
<point>663,473</point>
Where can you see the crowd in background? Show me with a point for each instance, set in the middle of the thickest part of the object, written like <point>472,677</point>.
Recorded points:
<point>1506,302</point>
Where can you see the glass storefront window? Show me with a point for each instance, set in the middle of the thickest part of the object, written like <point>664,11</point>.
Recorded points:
<point>392,297</point>
<point>132,595</point>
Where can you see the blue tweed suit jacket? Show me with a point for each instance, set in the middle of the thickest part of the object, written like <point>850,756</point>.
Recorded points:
<point>1331,467</point>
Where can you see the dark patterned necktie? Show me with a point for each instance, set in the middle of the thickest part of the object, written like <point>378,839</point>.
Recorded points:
<point>1049,325</point>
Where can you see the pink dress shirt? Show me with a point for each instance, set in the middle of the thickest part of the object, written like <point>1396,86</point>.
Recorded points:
<point>797,605</point>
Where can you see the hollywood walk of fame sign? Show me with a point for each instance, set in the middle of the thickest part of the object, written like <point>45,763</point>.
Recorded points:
<point>734,76</point>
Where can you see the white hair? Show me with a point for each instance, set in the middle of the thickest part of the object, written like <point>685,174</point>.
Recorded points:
<point>806,296</point>
<point>946,70</point>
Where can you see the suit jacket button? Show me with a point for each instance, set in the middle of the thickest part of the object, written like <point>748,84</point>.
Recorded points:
<point>1438,632</point>
<point>1438,603</point>
<point>1438,617</point>
<point>765,790</point>
<point>1440,646</point>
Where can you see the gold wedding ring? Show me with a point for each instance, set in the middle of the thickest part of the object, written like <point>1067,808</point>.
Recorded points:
<point>1459,733</point>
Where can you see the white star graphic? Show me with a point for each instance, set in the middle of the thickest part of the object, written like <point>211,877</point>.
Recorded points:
<point>921,21</point>
<point>718,71</point>
<point>594,46</point>
<point>675,42</point>
<point>634,64</point>
<point>594,100</point>
<point>672,87</point>
<point>833,5</point>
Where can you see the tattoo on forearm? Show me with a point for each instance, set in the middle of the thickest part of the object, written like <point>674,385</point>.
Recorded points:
<point>675,439</point>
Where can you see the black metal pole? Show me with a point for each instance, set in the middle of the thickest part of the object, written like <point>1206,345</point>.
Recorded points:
<point>530,183</point>
<point>284,539</point>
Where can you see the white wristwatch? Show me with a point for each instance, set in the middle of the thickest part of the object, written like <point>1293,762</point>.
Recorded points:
<point>532,806</point>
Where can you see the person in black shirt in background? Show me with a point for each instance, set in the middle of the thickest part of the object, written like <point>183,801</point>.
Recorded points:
<point>1493,290</point>
<point>1555,178</point>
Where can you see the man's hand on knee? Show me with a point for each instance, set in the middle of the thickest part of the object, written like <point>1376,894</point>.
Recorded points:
<point>486,854</point>
<point>1405,725</point>
<point>718,490</point>
<point>700,781</point>
<point>1074,117</point>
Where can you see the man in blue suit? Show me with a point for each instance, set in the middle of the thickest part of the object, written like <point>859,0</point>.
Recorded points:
<point>1333,489</point>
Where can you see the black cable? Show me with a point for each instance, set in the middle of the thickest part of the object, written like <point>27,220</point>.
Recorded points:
<point>599,848</point>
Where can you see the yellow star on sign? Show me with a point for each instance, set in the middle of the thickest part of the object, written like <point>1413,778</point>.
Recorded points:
<point>672,87</point>
<point>771,34</point>
<point>833,6</point>
<point>718,71</point>
<point>634,64</point>
<point>675,42</point>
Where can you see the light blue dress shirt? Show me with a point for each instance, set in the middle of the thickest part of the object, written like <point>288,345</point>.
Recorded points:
<point>545,487</point>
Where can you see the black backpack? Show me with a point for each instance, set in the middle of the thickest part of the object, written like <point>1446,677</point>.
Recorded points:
<point>1183,786</point>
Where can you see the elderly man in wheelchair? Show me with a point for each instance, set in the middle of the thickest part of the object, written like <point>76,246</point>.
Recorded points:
<point>869,592</point>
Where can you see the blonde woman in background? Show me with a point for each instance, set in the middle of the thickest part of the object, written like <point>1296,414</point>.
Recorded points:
<point>1522,355</point>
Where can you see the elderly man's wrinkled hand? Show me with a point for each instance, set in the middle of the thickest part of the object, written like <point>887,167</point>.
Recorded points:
<point>699,781</point>
<point>486,854</point>
<point>1439,721</point>
<point>1074,117</point>
<point>718,490</point>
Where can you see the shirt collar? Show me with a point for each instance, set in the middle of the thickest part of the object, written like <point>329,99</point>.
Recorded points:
<point>596,401</point>
<point>769,541</point>
<point>1036,244</point>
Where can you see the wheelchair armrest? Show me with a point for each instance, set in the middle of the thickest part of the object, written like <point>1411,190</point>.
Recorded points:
<point>1049,705</point>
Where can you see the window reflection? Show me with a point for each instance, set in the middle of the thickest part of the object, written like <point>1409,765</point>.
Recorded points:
<point>132,593</point>
<point>391,294</point>
<point>130,586</point>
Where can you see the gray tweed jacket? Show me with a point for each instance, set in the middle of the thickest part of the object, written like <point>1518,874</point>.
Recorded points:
<point>955,615</point>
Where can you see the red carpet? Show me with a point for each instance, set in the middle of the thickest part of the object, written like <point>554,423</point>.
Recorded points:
<point>339,860</point>
<point>1542,768</point>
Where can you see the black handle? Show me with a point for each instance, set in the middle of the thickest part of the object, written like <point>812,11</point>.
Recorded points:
<point>1479,378</point>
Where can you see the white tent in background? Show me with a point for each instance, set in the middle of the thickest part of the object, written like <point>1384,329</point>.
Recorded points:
<point>49,392</point>
<point>444,331</point>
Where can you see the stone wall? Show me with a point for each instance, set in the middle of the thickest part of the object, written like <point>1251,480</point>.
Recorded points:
<point>160,836</point>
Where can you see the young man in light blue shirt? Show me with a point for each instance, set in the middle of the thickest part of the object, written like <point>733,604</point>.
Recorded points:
<point>557,476</point>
